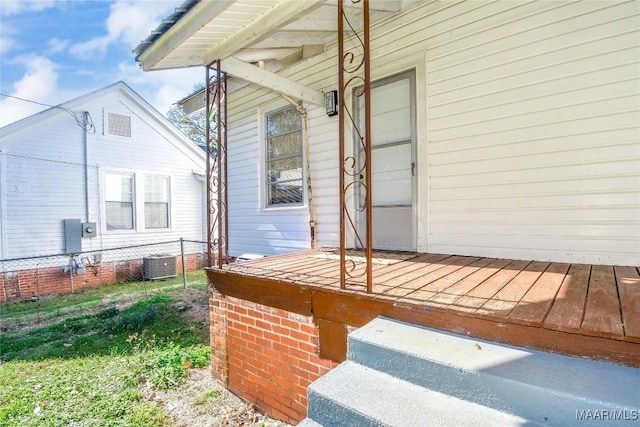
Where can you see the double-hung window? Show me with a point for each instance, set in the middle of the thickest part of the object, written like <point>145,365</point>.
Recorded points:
<point>156,201</point>
<point>119,201</point>
<point>283,159</point>
<point>137,201</point>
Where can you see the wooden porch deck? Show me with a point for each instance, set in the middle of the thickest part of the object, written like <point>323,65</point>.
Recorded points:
<point>583,310</point>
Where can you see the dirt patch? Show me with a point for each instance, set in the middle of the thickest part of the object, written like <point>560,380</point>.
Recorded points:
<point>193,303</point>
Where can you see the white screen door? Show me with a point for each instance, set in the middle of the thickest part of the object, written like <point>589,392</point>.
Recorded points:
<point>393,166</point>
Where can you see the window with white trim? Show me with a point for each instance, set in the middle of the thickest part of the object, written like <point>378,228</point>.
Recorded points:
<point>156,201</point>
<point>283,158</point>
<point>119,201</point>
<point>137,201</point>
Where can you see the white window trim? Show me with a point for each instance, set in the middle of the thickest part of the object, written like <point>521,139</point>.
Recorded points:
<point>262,160</point>
<point>138,201</point>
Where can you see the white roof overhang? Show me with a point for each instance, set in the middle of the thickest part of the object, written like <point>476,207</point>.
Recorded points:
<point>242,33</point>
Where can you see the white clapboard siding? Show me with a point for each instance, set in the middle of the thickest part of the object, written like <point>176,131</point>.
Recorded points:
<point>44,177</point>
<point>533,137</point>
<point>528,132</point>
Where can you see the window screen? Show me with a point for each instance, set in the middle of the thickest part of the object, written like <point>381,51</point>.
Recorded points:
<point>156,201</point>
<point>119,201</point>
<point>283,138</point>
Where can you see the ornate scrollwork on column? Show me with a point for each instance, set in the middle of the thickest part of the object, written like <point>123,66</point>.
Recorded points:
<point>216,135</point>
<point>354,80</point>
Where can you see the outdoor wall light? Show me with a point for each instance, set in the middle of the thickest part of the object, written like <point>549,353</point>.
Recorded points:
<point>331,103</point>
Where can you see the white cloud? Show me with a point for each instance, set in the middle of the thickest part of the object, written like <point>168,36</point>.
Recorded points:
<point>8,37</point>
<point>6,44</point>
<point>132,21</point>
<point>57,45</point>
<point>90,49</point>
<point>129,22</point>
<point>13,7</point>
<point>39,83</point>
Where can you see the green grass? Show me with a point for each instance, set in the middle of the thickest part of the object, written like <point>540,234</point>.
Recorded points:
<point>208,397</point>
<point>87,300</point>
<point>90,370</point>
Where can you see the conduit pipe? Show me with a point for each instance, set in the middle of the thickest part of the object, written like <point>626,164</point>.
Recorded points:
<point>307,167</point>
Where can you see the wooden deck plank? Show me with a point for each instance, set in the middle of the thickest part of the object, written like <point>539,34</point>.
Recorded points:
<point>397,292</point>
<point>459,289</point>
<point>451,266</point>
<point>628,280</point>
<point>467,304</point>
<point>423,262</point>
<point>535,304</point>
<point>378,269</point>
<point>451,279</point>
<point>495,283</point>
<point>602,311</point>
<point>357,270</point>
<point>568,307</point>
<point>507,298</point>
<point>419,278</point>
<point>420,296</point>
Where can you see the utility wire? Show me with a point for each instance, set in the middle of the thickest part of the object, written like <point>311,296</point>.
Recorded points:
<point>87,126</point>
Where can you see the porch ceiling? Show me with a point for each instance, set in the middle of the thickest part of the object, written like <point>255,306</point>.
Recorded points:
<point>271,31</point>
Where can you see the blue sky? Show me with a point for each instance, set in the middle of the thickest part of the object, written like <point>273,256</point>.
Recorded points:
<point>54,50</point>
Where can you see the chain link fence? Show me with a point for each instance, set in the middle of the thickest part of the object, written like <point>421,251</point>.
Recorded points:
<point>182,261</point>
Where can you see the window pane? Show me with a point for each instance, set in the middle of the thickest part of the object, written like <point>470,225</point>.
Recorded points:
<point>156,215</point>
<point>285,181</point>
<point>284,157</point>
<point>156,188</point>
<point>156,197</point>
<point>119,215</point>
<point>285,193</point>
<point>119,188</point>
<point>391,175</point>
<point>283,121</point>
<point>285,169</point>
<point>284,145</point>
<point>119,201</point>
<point>390,112</point>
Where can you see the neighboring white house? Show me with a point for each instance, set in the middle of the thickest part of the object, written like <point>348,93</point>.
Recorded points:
<point>500,129</point>
<point>107,159</point>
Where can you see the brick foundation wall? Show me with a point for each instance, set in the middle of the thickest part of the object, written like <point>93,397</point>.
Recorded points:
<point>33,283</point>
<point>25,284</point>
<point>265,355</point>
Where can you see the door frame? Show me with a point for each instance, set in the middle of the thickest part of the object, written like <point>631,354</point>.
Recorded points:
<point>410,73</point>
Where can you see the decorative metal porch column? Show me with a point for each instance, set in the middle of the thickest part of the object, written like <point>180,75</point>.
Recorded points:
<point>216,135</point>
<point>354,81</point>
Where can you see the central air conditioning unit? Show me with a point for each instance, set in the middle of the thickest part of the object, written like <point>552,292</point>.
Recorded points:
<point>159,267</point>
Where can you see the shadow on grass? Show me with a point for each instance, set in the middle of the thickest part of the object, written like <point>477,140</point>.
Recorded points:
<point>152,321</point>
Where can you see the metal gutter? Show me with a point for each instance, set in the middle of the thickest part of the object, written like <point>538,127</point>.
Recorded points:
<point>164,26</point>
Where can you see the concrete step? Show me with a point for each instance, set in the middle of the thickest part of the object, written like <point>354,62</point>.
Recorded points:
<point>543,388</point>
<point>355,395</point>
<point>308,422</point>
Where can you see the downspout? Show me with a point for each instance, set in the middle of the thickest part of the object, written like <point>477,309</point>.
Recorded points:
<point>86,164</point>
<point>307,167</point>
